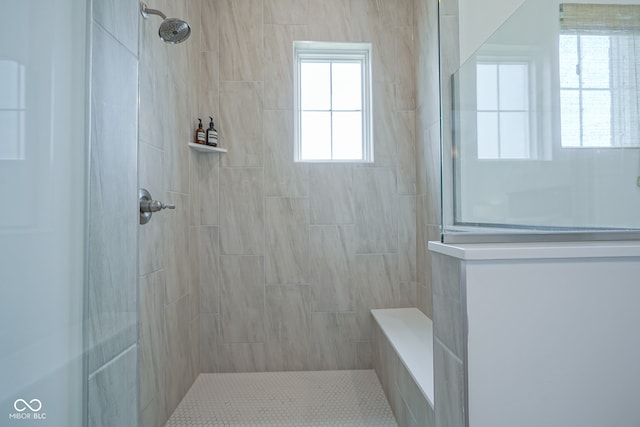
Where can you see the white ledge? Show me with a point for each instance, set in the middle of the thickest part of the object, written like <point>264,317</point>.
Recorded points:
<point>537,250</point>
<point>206,148</point>
<point>410,333</point>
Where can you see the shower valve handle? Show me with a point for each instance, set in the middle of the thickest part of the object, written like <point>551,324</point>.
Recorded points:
<point>154,206</point>
<point>148,206</point>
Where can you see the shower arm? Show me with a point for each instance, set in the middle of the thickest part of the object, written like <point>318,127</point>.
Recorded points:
<point>146,11</point>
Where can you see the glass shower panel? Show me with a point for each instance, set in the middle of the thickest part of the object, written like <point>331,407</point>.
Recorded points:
<point>42,219</point>
<point>545,136</point>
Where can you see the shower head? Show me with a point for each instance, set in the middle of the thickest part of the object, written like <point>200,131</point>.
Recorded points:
<point>172,30</point>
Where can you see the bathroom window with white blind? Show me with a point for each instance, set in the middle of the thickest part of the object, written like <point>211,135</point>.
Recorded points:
<point>599,49</point>
<point>332,104</point>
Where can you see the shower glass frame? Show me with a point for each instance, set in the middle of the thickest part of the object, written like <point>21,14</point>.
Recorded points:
<point>541,197</point>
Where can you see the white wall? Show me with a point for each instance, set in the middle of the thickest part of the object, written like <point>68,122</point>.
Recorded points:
<point>553,342</point>
<point>42,215</point>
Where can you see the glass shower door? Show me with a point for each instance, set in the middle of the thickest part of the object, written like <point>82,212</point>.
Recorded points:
<point>42,212</point>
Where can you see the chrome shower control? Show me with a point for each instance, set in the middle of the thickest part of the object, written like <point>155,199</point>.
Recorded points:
<point>154,206</point>
<point>148,206</point>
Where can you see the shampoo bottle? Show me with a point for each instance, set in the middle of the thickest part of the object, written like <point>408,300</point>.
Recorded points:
<point>200,134</point>
<point>212,134</point>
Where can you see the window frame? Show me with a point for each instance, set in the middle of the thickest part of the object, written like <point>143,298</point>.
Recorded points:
<point>533,151</point>
<point>334,52</point>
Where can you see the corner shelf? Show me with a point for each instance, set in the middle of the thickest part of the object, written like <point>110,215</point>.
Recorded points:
<point>206,148</point>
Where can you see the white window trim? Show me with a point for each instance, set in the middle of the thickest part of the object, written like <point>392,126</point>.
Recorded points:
<point>535,150</point>
<point>334,52</point>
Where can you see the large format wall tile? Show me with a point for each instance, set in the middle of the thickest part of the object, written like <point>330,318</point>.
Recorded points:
<point>177,373</point>
<point>376,208</point>
<point>447,302</point>
<point>242,299</point>
<point>432,164</point>
<point>405,122</point>
<point>329,20</point>
<point>332,260</point>
<point>405,69</point>
<point>205,188</point>
<point>120,18</point>
<point>289,232</point>
<point>206,268</point>
<point>241,211</point>
<point>331,193</point>
<point>151,236</point>
<point>278,67</point>
<point>289,12</point>
<point>287,240</point>
<point>215,356</point>
<point>333,337</point>
<point>178,266</point>
<point>210,26</point>
<point>176,161</point>
<point>377,286</point>
<point>241,39</point>
<point>112,392</point>
<point>210,341</point>
<point>384,125</point>
<point>241,123</point>
<point>407,238</point>
<point>242,357</point>
<point>287,325</point>
<point>112,202</point>
<point>282,176</point>
<point>448,387</point>
<point>152,346</point>
<point>375,22</point>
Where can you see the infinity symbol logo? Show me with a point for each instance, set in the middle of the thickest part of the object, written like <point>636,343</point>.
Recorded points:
<point>21,405</point>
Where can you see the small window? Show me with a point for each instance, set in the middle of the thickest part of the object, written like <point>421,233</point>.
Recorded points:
<point>599,101</point>
<point>503,111</point>
<point>332,102</point>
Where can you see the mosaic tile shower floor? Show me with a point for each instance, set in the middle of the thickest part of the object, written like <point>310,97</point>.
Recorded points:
<point>309,398</point>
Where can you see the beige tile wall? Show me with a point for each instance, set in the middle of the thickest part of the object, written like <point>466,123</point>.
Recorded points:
<point>304,251</point>
<point>111,311</point>
<point>427,143</point>
<point>267,264</point>
<point>168,264</point>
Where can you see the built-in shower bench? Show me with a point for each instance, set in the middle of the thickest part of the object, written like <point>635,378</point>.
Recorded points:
<point>403,361</point>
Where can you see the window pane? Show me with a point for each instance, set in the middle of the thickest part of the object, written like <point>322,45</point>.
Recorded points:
<point>315,85</point>
<point>514,87</point>
<point>346,86</point>
<point>347,136</point>
<point>316,136</point>
<point>488,136</point>
<point>570,118</point>
<point>568,61</point>
<point>487,86</point>
<point>514,136</point>
<point>595,61</point>
<point>596,110</point>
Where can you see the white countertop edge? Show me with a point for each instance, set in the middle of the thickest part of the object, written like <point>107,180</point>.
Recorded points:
<point>400,326</point>
<point>537,250</point>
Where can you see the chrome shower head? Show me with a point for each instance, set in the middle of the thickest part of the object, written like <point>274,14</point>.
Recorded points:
<point>172,30</point>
